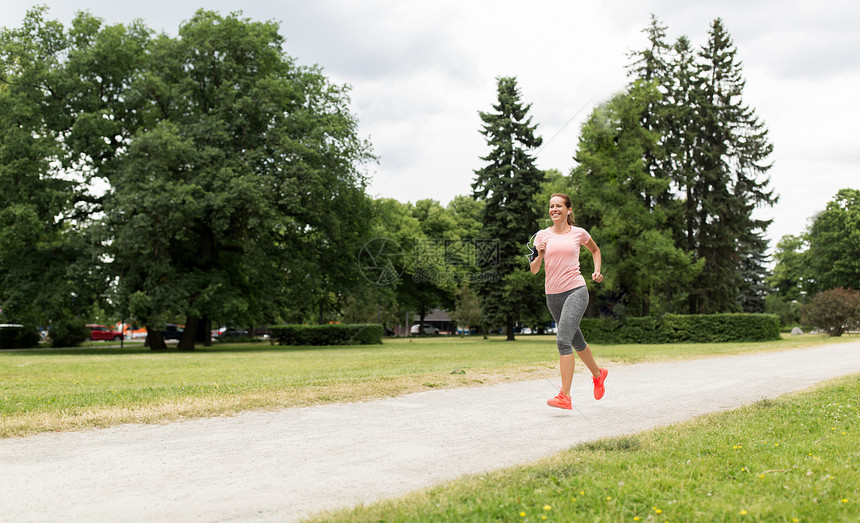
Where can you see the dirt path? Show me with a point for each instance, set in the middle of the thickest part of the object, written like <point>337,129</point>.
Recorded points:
<point>282,466</point>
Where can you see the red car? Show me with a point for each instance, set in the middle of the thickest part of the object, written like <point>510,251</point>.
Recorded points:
<point>100,332</point>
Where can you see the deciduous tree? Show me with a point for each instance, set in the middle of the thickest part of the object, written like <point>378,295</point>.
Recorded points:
<point>241,194</point>
<point>235,179</point>
<point>833,258</point>
<point>49,268</point>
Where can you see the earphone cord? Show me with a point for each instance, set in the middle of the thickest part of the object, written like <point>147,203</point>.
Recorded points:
<point>530,246</point>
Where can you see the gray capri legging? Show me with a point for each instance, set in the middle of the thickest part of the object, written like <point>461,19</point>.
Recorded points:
<point>567,309</point>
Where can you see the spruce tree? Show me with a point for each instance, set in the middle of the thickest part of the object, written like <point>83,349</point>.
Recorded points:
<point>731,162</point>
<point>652,63</point>
<point>715,151</point>
<point>682,136</point>
<point>652,66</point>
<point>507,184</point>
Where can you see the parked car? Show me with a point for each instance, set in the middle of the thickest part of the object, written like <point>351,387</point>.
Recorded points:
<point>428,329</point>
<point>230,333</point>
<point>172,331</point>
<point>101,332</point>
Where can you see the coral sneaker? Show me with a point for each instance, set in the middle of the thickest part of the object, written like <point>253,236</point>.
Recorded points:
<point>562,401</point>
<point>599,388</point>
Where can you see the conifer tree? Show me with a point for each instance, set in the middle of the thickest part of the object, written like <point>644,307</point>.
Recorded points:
<point>730,156</point>
<point>507,184</point>
<point>714,149</point>
<point>652,67</point>
<point>620,203</point>
<point>682,100</point>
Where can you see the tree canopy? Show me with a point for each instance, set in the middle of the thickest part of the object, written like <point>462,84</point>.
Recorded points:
<point>826,256</point>
<point>233,173</point>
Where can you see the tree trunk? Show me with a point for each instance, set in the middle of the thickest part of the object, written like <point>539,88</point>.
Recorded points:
<point>204,331</point>
<point>510,327</point>
<point>155,338</point>
<point>691,243</point>
<point>186,342</point>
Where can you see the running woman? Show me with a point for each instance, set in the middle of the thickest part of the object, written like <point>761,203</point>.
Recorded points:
<point>566,294</point>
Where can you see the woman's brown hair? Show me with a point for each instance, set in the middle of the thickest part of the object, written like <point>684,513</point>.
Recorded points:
<point>566,198</point>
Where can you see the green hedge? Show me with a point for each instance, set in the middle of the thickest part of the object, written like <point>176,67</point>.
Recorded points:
<point>677,328</point>
<point>23,337</point>
<point>334,334</point>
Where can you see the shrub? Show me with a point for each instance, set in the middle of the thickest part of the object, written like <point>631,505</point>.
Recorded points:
<point>833,311</point>
<point>717,328</point>
<point>334,334</point>
<point>677,328</point>
<point>23,337</point>
<point>788,312</point>
<point>68,333</point>
<point>630,330</point>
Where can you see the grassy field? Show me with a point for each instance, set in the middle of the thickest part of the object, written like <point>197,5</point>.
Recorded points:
<point>98,386</point>
<point>793,459</point>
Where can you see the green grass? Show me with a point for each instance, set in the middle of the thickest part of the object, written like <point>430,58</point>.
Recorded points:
<point>795,458</point>
<point>48,390</point>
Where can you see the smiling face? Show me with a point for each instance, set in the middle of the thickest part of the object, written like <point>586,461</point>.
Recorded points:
<point>558,210</point>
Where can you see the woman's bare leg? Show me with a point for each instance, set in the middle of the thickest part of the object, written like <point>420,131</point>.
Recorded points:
<point>566,364</point>
<point>588,358</point>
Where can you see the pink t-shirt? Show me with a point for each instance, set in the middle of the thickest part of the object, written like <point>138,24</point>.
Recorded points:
<point>561,259</point>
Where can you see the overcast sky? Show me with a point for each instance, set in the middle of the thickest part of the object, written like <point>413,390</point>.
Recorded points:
<point>421,71</point>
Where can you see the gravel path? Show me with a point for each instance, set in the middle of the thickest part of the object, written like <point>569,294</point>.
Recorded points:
<point>286,465</point>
